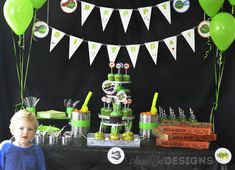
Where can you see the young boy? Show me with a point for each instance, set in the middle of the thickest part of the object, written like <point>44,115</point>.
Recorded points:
<point>21,154</point>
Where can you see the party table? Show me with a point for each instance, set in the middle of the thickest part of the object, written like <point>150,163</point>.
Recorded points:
<point>78,156</point>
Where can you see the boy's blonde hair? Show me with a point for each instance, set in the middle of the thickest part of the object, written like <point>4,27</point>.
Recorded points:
<point>23,115</point>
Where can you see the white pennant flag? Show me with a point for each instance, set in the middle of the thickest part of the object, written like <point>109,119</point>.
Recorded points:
<point>165,8</point>
<point>105,14</point>
<point>145,13</point>
<point>133,51</point>
<point>189,36</point>
<point>113,52</point>
<point>74,43</point>
<point>171,43</point>
<point>125,15</point>
<point>86,10</point>
<point>93,48</point>
<point>56,36</point>
<point>152,48</point>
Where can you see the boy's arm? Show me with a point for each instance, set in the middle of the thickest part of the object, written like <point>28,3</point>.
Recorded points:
<point>2,155</point>
<point>40,159</point>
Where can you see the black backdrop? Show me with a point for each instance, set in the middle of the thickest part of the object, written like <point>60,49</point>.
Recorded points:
<point>186,82</point>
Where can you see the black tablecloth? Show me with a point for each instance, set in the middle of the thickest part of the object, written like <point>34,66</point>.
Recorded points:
<point>77,156</point>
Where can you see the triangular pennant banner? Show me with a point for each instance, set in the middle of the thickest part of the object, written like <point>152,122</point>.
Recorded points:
<point>86,10</point>
<point>165,8</point>
<point>152,48</point>
<point>145,13</point>
<point>125,15</point>
<point>133,51</point>
<point>93,48</point>
<point>56,36</point>
<point>189,36</point>
<point>105,14</point>
<point>113,52</point>
<point>74,43</point>
<point>171,43</point>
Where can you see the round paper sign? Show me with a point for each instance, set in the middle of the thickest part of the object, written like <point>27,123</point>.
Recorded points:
<point>203,29</point>
<point>40,29</point>
<point>68,6</point>
<point>116,155</point>
<point>223,155</point>
<point>181,6</point>
<point>108,87</point>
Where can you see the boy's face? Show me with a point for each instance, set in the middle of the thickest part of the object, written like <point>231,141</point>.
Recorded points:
<point>24,132</point>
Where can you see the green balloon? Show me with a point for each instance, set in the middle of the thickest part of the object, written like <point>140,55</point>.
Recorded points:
<point>222,30</point>
<point>18,14</point>
<point>211,7</point>
<point>37,4</point>
<point>232,2</point>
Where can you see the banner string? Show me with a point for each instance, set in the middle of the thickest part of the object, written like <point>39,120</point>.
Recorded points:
<point>121,45</point>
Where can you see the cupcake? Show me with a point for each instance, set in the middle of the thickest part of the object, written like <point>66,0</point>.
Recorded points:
<point>116,117</point>
<point>102,110</point>
<point>118,77</point>
<point>114,136</point>
<point>127,112</point>
<point>108,111</point>
<point>111,76</point>
<point>128,136</point>
<point>116,114</point>
<point>99,136</point>
<point>126,77</point>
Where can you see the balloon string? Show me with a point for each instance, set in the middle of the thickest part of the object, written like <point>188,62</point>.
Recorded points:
<point>232,10</point>
<point>15,55</point>
<point>218,79</point>
<point>21,64</point>
<point>48,7</point>
<point>29,52</point>
<point>209,50</point>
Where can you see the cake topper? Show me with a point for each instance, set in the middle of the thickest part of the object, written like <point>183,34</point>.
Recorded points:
<point>126,67</point>
<point>111,65</point>
<point>108,101</point>
<point>125,102</point>
<point>126,77</point>
<point>103,99</point>
<point>118,76</point>
<point>129,102</point>
<point>119,66</point>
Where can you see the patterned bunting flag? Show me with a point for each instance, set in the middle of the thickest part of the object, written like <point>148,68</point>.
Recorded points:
<point>189,36</point>
<point>145,13</point>
<point>113,52</point>
<point>125,15</point>
<point>105,14</point>
<point>93,48</point>
<point>171,43</point>
<point>133,51</point>
<point>152,48</point>
<point>165,8</point>
<point>86,10</point>
<point>56,36</point>
<point>74,43</point>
